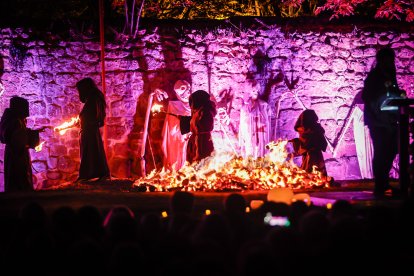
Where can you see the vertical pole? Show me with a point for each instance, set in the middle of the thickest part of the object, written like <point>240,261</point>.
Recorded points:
<point>102,39</point>
<point>145,135</point>
<point>403,150</point>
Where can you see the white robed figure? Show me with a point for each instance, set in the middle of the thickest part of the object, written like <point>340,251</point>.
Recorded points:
<point>174,144</point>
<point>254,130</point>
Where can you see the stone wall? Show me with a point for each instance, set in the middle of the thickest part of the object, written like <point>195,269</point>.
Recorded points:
<point>322,68</point>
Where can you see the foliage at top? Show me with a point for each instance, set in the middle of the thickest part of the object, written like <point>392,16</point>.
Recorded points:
<point>221,9</point>
<point>83,15</point>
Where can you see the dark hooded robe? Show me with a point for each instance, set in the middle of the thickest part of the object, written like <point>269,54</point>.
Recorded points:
<point>93,159</point>
<point>380,84</point>
<point>18,139</point>
<point>200,124</point>
<point>311,142</point>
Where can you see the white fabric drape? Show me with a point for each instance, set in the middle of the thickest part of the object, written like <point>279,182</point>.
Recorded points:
<point>363,144</point>
<point>254,130</point>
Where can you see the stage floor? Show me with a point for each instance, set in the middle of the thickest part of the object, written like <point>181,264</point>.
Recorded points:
<point>105,195</point>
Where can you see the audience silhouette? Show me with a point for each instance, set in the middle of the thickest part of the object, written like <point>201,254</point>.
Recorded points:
<point>227,241</point>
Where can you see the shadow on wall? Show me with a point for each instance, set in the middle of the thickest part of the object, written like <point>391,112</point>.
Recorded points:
<point>163,78</point>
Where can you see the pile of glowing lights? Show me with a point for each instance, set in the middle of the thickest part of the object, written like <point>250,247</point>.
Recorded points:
<point>228,172</point>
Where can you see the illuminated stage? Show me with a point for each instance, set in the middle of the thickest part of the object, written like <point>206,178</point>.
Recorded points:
<point>105,195</point>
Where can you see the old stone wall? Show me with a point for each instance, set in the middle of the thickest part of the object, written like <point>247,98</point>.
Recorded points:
<point>322,68</point>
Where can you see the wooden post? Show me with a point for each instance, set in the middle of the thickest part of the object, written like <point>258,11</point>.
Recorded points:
<point>145,135</point>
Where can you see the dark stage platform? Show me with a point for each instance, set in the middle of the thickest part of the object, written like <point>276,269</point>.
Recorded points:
<point>105,195</point>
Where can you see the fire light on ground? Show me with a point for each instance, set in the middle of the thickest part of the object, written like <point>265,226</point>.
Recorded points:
<point>226,172</point>
<point>67,125</point>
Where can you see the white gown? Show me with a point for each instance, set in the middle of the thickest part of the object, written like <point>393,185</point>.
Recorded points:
<point>254,130</point>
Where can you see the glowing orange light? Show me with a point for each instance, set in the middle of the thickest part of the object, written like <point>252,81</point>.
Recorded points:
<point>255,204</point>
<point>207,212</point>
<point>164,214</point>
<point>67,125</point>
<point>156,108</point>
<point>39,147</point>
<point>224,171</point>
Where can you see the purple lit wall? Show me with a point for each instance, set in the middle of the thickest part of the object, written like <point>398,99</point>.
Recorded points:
<point>322,69</point>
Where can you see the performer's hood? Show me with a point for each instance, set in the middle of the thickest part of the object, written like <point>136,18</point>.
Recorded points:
<point>20,106</point>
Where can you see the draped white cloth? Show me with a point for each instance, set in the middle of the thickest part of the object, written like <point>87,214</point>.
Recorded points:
<point>363,144</point>
<point>174,144</point>
<point>254,130</point>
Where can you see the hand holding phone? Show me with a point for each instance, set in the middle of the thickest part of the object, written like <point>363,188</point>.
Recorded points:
<point>271,220</point>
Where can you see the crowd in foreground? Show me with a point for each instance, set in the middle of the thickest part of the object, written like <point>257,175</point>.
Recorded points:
<point>341,240</point>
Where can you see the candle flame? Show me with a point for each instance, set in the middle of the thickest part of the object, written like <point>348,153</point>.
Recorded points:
<point>39,147</point>
<point>156,108</point>
<point>67,125</point>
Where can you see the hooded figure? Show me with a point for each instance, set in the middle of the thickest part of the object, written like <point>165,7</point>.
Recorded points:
<point>92,117</point>
<point>18,139</point>
<point>380,84</point>
<point>200,124</point>
<point>311,141</point>
<point>174,144</point>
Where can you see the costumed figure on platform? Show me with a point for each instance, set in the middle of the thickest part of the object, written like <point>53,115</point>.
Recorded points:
<point>174,144</point>
<point>311,142</point>
<point>18,139</point>
<point>200,124</point>
<point>92,118</point>
<point>254,129</point>
<point>381,85</point>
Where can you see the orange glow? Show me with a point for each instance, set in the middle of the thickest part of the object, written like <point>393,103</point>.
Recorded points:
<point>226,171</point>
<point>39,147</point>
<point>255,204</point>
<point>156,108</point>
<point>67,125</point>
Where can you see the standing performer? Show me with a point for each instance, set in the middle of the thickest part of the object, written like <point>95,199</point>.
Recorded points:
<point>200,124</point>
<point>174,144</point>
<point>18,139</point>
<point>311,142</point>
<point>92,117</point>
<point>254,130</point>
<point>381,83</point>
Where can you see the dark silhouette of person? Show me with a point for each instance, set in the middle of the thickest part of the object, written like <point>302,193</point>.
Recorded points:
<point>381,83</point>
<point>92,117</point>
<point>200,124</point>
<point>18,139</point>
<point>311,142</point>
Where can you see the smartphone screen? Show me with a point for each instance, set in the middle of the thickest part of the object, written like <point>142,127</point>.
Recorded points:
<point>271,220</point>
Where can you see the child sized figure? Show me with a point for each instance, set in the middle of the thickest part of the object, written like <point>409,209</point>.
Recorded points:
<point>200,124</point>
<point>311,142</point>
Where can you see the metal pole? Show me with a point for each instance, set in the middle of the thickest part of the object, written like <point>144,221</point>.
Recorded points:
<point>102,39</point>
<point>403,150</point>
